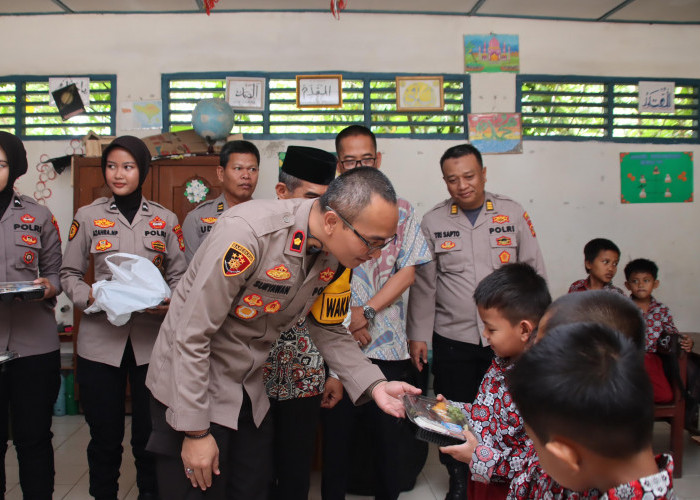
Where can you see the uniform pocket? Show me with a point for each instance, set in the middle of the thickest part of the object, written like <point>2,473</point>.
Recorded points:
<point>155,244</point>
<point>449,255</point>
<point>504,248</point>
<point>28,245</point>
<point>268,292</point>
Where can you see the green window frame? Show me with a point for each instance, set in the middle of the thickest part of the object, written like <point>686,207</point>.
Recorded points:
<point>368,99</point>
<point>25,109</point>
<point>581,108</point>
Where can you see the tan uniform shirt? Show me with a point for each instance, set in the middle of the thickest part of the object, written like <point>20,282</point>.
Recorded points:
<point>98,230</point>
<point>30,247</point>
<point>441,298</point>
<point>250,280</point>
<point>198,223</point>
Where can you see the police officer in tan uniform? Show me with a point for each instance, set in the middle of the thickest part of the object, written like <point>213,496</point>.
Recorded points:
<point>295,373</point>
<point>469,235</point>
<point>238,168</point>
<point>259,272</point>
<point>30,250</point>
<point>108,355</point>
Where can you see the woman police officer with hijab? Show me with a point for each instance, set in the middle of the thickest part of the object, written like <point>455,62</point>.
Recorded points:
<point>30,250</point>
<point>108,355</point>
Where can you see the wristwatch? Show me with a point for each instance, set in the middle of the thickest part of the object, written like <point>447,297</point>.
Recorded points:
<point>368,312</point>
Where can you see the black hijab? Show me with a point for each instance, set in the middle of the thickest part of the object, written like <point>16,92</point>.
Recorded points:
<point>128,205</point>
<point>17,160</point>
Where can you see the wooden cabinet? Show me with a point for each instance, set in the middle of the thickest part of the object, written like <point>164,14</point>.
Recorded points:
<point>165,184</point>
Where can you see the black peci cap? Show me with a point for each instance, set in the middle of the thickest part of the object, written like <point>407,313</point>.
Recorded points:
<point>310,164</point>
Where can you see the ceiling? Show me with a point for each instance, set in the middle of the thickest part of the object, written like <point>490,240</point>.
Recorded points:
<point>635,11</point>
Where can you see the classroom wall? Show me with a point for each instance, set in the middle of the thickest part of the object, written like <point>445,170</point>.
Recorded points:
<point>570,189</point>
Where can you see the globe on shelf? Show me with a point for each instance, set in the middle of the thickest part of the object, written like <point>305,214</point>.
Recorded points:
<point>212,119</point>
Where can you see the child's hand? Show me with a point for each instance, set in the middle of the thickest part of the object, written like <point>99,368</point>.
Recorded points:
<point>686,343</point>
<point>462,452</point>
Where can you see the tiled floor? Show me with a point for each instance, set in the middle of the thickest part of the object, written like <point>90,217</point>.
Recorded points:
<point>72,436</point>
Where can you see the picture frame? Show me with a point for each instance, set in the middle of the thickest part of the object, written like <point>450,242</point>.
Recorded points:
<point>496,133</point>
<point>419,93</point>
<point>319,91</point>
<point>246,92</point>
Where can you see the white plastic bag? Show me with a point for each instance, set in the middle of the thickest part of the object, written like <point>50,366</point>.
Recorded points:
<point>136,285</point>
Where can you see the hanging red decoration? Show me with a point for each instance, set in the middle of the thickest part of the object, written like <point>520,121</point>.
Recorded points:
<point>337,6</point>
<point>209,4</point>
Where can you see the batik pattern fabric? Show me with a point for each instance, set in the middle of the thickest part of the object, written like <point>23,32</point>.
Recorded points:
<point>388,328</point>
<point>585,285</point>
<point>658,486</point>
<point>295,367</point>
<point>533,483</point>
<point>658,321</point>
<point>504,446</point>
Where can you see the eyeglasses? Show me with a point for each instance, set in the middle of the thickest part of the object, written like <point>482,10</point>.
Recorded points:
<point>370,248</point>
<point>362,162</point>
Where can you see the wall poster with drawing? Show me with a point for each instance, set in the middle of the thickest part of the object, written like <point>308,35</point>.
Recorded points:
<point>419,93</point>
<point>661,177</point>
<point>496,133</point>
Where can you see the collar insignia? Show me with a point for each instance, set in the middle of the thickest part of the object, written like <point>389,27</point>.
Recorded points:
<point>297,241</point>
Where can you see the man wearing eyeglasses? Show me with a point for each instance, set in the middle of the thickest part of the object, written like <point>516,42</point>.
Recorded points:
<point>378,325</point>
<point>260,270</point>
<point>470,234</point>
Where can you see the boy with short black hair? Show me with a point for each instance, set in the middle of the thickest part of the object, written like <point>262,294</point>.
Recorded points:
<point>587,403</point>
<point>510,301</point>
<point>600,257</point>
<point>641,280</point>
<point>597,306</point>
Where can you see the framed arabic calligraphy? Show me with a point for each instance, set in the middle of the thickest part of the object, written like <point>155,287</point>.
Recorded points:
<point>319,91</point>
<point>246,93</point>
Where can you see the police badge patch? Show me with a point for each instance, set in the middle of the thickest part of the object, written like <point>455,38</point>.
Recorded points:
<point>73,229</point>
<point>28,257</point>
<point>237,259</point>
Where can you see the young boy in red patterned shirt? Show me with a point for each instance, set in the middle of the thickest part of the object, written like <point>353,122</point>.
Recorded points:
<point>600,258</point>
<point>641,279</point>
<point>510,301</point>
<point>588,407</point>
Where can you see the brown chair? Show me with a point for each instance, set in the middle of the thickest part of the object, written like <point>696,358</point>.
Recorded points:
<point>674,414</point>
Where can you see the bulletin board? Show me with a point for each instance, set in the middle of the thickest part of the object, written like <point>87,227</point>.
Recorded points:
<point>663,177</point>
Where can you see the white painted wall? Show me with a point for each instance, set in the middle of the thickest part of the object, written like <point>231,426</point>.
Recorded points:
<point>570,189</point>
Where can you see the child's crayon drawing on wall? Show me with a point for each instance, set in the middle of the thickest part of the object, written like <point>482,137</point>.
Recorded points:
<point>496,133</point>
<point>491,53</point>
<point>656,177</point>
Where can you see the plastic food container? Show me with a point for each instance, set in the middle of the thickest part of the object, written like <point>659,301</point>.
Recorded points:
<point>23,290</point>
<point>435,421</point>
